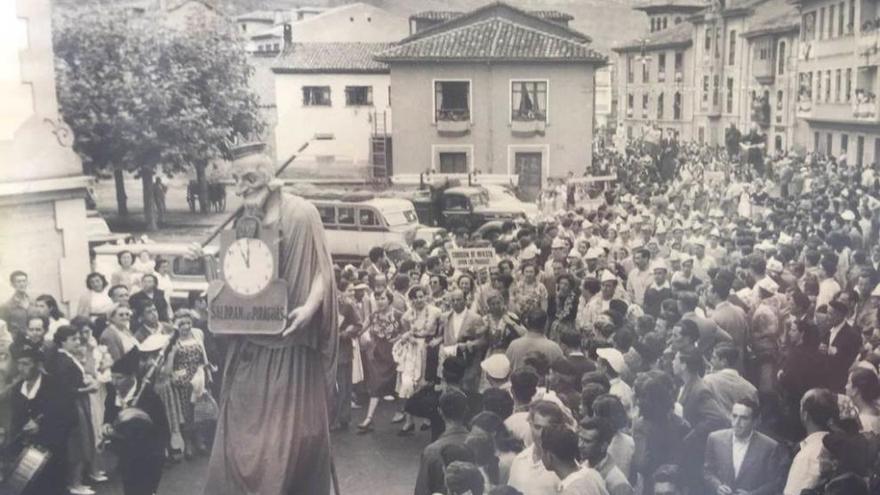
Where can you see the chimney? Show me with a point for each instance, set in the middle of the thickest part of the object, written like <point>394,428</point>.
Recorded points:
<point>288,34</point>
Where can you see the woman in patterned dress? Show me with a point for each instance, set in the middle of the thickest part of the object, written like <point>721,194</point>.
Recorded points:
<point>528,292</point>
<point>421,324</point>
<point>384,328</point>
<point>566,306</point>
<point>186,358</point>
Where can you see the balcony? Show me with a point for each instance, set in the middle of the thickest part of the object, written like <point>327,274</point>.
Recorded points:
<point>763,71</point>
<point>453,122</point>
<point>528,128</point>
<point>865,112</point>
<point>868,49</point>
<point>679,77</point>
<point>661,77</point>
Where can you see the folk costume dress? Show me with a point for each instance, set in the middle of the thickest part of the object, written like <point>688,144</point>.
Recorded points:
<point>411,354</point>
<point>273,435</point>
<point>381,370</point>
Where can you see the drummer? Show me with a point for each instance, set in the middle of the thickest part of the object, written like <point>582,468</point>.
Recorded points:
<point>40,418</point>
<point>138,441</point>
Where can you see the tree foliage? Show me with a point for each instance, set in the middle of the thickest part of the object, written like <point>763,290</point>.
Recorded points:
<point>144,98</point>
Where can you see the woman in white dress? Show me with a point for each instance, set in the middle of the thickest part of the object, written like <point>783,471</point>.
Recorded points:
<point>95,302</point>
<point>126,274</point>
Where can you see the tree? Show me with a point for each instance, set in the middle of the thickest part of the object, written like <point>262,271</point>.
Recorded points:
<point>146,99</point>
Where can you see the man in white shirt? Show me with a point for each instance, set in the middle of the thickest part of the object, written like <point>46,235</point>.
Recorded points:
<point>640,277</point>
<point>528,473</point>
<point>818,409</point>
<point>560,453</point>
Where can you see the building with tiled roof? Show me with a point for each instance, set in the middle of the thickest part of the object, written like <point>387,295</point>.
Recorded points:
<point>331,58</point>
<point>498,90</point>
<point>430,18</point>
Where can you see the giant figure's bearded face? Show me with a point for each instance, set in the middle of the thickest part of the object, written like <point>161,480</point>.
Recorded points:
<point>252,175</point>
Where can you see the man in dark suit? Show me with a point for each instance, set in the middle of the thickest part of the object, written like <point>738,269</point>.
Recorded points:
<point>464,335</point>
<point>149,292</point>
<point>742,460</point>
<point>41,415</point>
<point>453,409</point>
<point>842,346</point>
<point>701,410</point>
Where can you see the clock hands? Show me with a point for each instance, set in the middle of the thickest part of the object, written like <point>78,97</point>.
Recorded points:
<point>246,256</point>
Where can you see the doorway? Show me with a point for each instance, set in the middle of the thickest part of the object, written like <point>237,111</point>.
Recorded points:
<point>528,165</point>
<point>860,150</point>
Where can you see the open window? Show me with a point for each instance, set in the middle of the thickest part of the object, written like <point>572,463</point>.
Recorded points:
<point>345,215</point>
<point>316,96</point>
<point>368,218</point>
<point>358,96</point>
<point>452,100</point>
<point>529,100</point>
<point>328,214</point>
<point>453,162</point>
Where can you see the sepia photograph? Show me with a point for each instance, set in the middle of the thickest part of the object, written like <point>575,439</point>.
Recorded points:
<point>439,247</point>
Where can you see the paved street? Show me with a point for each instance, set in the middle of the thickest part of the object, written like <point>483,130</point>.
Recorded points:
<point>377,463</point>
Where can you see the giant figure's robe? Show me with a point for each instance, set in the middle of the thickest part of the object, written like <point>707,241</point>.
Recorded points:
<point>272,432</point>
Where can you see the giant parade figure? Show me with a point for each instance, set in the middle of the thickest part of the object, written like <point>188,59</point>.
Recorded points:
<point>272,432</point>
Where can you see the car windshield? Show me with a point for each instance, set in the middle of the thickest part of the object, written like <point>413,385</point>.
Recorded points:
<point>481,199</point>
<point>402,217</point>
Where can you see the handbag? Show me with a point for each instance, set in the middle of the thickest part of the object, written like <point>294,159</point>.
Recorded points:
<point>205,409</point>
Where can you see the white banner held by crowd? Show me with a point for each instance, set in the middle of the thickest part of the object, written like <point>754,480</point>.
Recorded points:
<point>472,258</point>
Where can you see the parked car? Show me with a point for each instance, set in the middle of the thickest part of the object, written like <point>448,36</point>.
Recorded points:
<point>500,195</point>
<point>187,274</point>
<point>452,206</point>
<point>356,223</point>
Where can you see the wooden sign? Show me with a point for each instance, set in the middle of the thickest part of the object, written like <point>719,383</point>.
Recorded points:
<point>250,298</point>
<point>472,258</point>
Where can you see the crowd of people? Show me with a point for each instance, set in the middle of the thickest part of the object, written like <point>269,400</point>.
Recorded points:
<point>711,328</point>
<point>126,372</point>
<point>700,326</point>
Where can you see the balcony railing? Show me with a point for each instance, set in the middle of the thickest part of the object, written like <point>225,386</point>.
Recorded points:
<point>453,122</point>
<point>869,48</point>
<point>453,114</point>
<point>528,128</point>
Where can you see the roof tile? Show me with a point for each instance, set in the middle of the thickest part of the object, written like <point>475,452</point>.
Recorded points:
<point>492,39</point>
<point>339,57</point>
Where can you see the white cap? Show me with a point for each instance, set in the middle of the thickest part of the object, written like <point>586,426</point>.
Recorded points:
<point>614,358</point>
<point>659,265</point>
<point>574,253</point>
<point>784,239</point>
<point>765,245</point>
<point>774,265</point>
<point>661,229</point>
<point>594,253</point>
<point>768,284</point>
<point>848,215</point>
<point>558,243</point>
<point>586,224</point>
<point>607,277</point>
<point>154,342</point>
<point>496,366</point>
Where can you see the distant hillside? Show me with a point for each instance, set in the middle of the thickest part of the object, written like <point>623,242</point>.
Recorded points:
<point>607,21</point>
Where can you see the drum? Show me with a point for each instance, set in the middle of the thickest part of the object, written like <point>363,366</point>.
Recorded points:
<point>28,465</point>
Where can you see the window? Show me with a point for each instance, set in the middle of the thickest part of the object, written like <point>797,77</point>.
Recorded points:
<point>453,162</point>
<point>188,266</point>
<point>646,77</point>
<point>715,84</point>
<point>630,78</point>
<point>840,15</point>
<point>837,80</point>
<point>345,215</point>
<point>705,90</point>
<point>808,31</point>
<point>732,55</point>
<point>452,100</point>
<point>678,20</point>
<point>660,107</point>
<point>820,29</point>
<point>661,67</point>
<point>676,106</point>
<point>819,85</point>
<point>679,66</point>
<point>844,143</point>
<point>718,46</point>
<point>780,101</point>
<point>851,17</point>
<point>827,85</point>
<point>630,104</point>
<point>831,21</point>
<point>763,52</point>
<point>780,59</point>
<point>707,42</point>
<point>529,100</point>
<point>778,142</point>
<point>276,47</point>
<point>664,22</point>
<point>729,95</point>
<point>829,144</point>
<point>701,134</point>
<point>243,27</point>
<point>653,24</point>
<point>328,214</point>
<point>316,96</point>
<point>367,218</point>
<point>358,95</point>
<point>645,106</point>
<point>848,94</point>
<point>815,142</point>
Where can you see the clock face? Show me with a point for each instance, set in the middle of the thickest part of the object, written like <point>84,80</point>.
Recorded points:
<point>248,266</point>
